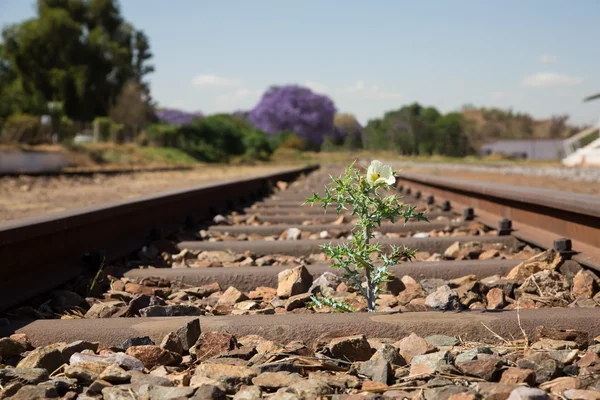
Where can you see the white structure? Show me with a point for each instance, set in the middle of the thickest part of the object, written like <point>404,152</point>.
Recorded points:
<point>577,154</point>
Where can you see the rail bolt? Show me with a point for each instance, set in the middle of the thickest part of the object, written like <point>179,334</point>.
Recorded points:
<point>400,188</point>
<point>468,214</point>
<point>564,247</point>
<point>417,194</point>
<point>504,227</point>
<point>430,200</point>
<point>446,206</point>
<point>408,191</point>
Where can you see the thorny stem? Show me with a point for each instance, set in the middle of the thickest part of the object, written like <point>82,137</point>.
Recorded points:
<point>370,288</point>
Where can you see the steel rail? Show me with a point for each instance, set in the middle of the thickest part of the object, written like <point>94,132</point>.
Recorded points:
<point>539,216</point>
<point>40,253</point>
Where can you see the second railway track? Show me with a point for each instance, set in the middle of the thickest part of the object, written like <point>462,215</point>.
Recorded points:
<point>242,256</point>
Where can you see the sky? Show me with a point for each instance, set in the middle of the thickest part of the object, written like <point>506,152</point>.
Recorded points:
<point>535,56</point>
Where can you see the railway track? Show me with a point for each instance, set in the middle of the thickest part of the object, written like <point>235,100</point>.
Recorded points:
<point>494,263</point>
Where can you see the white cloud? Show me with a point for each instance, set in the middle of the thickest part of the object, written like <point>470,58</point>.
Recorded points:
<point>373,92</point>
<point>316,87</point>
<point>497,95</point>
<point>241,97</point>
<point>547,59</point>
<point>550,79</point>
<point>211,80</point>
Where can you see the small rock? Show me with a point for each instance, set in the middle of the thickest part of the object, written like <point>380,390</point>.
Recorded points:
<point>310,388</point>
<point>443,298</point>
<point>442,341</point>
<point>579,394</point>
<point>231,296</point>
<point>149,391</point>
<point>189,334</point>
<point>36,392</point>
<point>585,284</point>
<point>272,381</point>
<point>220,220</point>
<point>562,383</point>
<point>545,367</point>
<point>377,368</point>
<point>489,254</point>
<point>77,347</point>
<point>204,290</point>
<point>481,368</point>
<point>446,392</point>
<point>490,390</point>
<point>85,372</point>
<point>430,285</point>
<point>580,337</point>
<point>49,358</point>
<point>208,390</point>
<point>326,280</point>
<point>351,348</point>
<point>231,377</point>
<point>297,301</point>
<point>121,359</point>
<point>97,386</point>
<point>293,234</point>
<point>551,344</point>
<point>263,293</point>
<point>341,382</point>
<point>563,356</point>
<point>410,292</point>
<point>176,310</point>
<point>23,339</point>
<point>115,393</point>
<point>421,235</point>
<point>152,356</point>
<point>293,281</point>
<point>472,354</point>
<point>210,344</point>
<point>431,360</point>
<point>547,260</point>
<point>248,393</point>
<point>495,299</point>
<point>115,374</point>
<point>28,376</point>
<point>136,341</point>
<point>324,235</point>
<point>10,348</point>
<point>515,376</point>
<point>413,345</point>
<point>525,393</point>
<point>172,342</point>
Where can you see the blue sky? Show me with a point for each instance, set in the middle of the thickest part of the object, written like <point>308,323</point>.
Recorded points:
<point>537,56</point>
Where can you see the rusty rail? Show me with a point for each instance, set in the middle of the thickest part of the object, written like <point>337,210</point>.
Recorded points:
<point>40,253</point>
<point>539,216</point>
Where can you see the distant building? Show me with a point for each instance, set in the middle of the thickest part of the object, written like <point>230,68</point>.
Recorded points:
<point>532,149</point>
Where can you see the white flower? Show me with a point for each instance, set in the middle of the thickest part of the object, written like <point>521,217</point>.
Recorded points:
<point>378,173</point>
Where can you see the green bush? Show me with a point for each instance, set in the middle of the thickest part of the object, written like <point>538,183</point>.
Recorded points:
<point>103,125</point>
<point>162,135</point>
<point>23,128</point>
<point>67,128</point>
<point>257,145</point>
<point>217,137</point>
<point>287,140</point>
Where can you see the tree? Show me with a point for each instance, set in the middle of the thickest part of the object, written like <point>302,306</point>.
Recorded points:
<point>297,109</point>
<point>132,109</point>
<point>346,134</point>
<point>77,52</point>
<point>176,117</point>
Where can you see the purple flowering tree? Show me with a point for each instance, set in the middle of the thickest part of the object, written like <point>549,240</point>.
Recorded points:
<point>176,117</point>
<point>297,109</point>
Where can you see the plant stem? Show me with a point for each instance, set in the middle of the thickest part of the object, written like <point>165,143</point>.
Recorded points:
<point>370,289</point>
